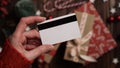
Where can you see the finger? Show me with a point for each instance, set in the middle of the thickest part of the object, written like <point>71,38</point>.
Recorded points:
<point>34,41</point>
<point>33,54</point>
<point>26,21</point>
<point>32,34</point>
<point>30,47</point>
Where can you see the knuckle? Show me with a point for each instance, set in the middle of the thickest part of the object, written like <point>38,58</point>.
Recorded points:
<point>23,19</point>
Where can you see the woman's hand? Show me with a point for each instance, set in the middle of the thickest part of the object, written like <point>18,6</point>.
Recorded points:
<point>19,39</point>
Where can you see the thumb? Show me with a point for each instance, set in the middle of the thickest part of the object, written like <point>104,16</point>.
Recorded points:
<point>33,54</point>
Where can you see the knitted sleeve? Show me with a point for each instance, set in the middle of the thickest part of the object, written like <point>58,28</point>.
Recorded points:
<point>11,58</point>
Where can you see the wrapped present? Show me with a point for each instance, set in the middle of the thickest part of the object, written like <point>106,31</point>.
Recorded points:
<point>79,47</point>
<point>96,38</point>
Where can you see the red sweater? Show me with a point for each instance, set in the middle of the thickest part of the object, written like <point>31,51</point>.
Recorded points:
<point>11,58</point>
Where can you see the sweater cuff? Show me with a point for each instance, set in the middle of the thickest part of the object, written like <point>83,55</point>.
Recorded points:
<point>11,58</point>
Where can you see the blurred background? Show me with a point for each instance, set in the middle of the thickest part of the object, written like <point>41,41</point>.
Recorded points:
<point>11,11</point>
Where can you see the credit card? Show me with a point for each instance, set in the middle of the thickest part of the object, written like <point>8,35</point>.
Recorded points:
<point>59,29</point>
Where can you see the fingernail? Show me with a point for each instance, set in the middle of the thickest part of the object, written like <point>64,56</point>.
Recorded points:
<point>44,18</point>
<point>51,46</point>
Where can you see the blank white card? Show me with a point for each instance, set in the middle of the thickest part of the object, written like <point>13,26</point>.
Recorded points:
<point>59,29</point>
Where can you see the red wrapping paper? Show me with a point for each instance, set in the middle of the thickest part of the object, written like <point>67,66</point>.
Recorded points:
<point>101,41</point>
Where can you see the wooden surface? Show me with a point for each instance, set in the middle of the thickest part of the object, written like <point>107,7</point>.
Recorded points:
<point>104,61</point>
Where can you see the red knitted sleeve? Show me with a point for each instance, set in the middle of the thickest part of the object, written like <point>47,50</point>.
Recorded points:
<point>11,58</point>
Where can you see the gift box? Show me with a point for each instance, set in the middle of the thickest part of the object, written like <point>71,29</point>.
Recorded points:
<point>96,39</point>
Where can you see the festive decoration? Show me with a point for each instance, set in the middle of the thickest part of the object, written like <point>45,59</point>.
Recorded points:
<point>61,4</point>
<point>7,17</point>
<point>101,40</point>
<point>118,17</point>
<point>25,8</point>
<point>105,0</point>
<point>3,9</point>
<point>119,5</point>
<point>0,49</point>
<point>111,19</point>
<point>115,60</point>
<point>113,10</point>
<point>92,1</point>
<point>114,19</point>
<point>38,13</point>
<point>50,17</point>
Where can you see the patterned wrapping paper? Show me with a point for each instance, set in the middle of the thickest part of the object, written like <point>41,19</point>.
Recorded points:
<point>101,40</point>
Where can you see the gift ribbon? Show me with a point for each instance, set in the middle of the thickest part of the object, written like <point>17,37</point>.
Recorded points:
<point>83,23</point>
<point>81,41</point>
